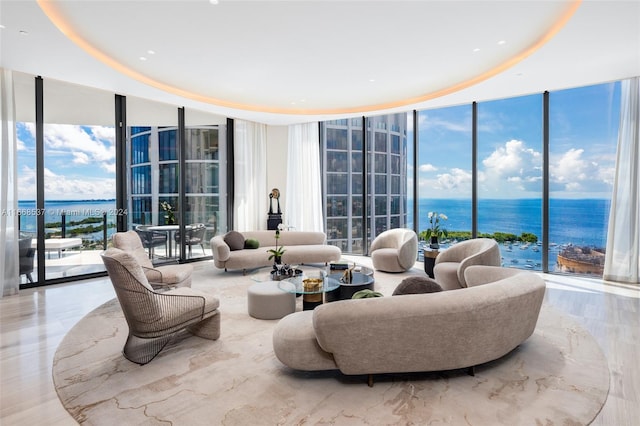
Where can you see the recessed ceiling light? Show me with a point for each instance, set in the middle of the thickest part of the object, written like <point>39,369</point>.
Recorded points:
<point>477,49</point>
<point>501,42</point>
<point>151,52</point>
<point>23,32</point>
<point>2,27</point>
<point>142,58</point>
<point>213,1</point>
<point>371,80</point>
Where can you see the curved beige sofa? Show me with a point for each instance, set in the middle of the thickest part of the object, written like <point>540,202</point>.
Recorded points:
<point>300,247</point>
<point>419,332</point>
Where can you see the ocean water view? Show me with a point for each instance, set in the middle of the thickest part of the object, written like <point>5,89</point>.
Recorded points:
<point>577,222</point>
<point>75,211</point>
<point>580,222</point>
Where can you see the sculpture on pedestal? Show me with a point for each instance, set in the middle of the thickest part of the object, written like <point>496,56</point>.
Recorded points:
<point>274,218</point>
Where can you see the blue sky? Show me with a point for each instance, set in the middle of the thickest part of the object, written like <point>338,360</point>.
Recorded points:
<point>583,138</point>
<point>80,160</point>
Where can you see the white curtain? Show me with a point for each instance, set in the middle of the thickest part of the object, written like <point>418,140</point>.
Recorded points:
<point>304,190</point>
<point>250,188</point>
<point>622,261</point>
<point>8,189</point>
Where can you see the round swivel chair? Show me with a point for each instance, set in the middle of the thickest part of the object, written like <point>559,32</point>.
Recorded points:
<point>395,250</point>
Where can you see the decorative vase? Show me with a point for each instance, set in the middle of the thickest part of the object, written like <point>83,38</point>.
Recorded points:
<point>434,242</point>
<point>277,260</point>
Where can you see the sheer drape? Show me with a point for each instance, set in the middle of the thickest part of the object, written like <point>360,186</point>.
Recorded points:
<point>304,190</point>
<point>250,187</point>
<point>622,261</point>
<point>8,189</point>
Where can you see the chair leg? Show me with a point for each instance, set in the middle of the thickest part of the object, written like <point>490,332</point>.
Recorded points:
<point>29,277</point>
<point>208,328</point>
<point>142,351</point>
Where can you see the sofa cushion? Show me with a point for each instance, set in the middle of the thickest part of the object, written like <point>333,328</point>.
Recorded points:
<point>234,240</point>
<point>417,285</point>
<point>251,243</point>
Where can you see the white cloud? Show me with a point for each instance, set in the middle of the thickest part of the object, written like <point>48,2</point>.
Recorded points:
<point>80,158</point>
<point>571,172</point>
<point>511,170</point>
<point>428,168</point>
<point>109,167</point>
<point>456,182</point>
<point>75,139</point>
<point>20,145</point>
<point>58,187</point>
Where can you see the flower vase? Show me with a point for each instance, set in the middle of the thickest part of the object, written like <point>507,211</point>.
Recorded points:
<point>434,242</point>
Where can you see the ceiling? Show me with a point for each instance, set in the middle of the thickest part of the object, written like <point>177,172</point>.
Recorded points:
<point>283,62</point>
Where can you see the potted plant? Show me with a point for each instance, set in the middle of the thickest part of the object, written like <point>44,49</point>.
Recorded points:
<point>169,217</point>
<point>435,228</point>
<point>276,254</point>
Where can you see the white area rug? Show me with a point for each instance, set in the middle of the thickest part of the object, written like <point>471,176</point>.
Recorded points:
<point>559,376</point>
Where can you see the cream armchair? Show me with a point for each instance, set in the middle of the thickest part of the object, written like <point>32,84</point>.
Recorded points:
<point>450,265</point>
<point>395,250</point>
<point>159,277</point>
<point>153,318</point>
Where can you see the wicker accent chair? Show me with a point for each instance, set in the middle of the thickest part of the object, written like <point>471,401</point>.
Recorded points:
<point>160,277</point>
<point>153,318</point>
<point>194,235</point>
<point>451,263</point>
<point>394,250</point>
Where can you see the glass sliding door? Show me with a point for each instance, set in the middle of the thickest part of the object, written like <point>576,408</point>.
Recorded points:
<point>152,171</point>
<point>77,180</point>
<point>583,139</point>
<point>170,230</point>
<point>205,148</point>
<point>510,178</point>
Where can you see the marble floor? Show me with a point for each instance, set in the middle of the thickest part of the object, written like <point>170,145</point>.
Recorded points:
<point>33,323</point>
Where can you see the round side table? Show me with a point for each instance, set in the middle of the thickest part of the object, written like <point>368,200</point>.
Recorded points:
<point>430,260</point>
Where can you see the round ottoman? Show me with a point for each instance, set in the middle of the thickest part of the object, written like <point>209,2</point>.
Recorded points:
<point>267,301</point>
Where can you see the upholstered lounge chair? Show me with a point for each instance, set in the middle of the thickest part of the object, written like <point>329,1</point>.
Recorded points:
<point>451,263</point>
<point>395,250</point>
<point>159,277</point>
<point>153,318</point>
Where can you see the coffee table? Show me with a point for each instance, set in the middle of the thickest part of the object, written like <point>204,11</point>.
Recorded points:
<point>359,281</point>
<point>311,287</point>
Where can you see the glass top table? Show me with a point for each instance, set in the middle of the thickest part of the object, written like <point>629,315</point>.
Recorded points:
<point>308,285</point>
<point>264,274</point>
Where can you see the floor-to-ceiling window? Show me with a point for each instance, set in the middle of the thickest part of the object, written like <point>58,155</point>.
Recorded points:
<point>509,172</point>
<point>155,155</point>
<point>510,177</point>
<point>583,138</point>
<point>444,175</point>
<point>360,167</point>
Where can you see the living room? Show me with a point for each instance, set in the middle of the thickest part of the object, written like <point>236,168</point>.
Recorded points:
<point>605,308</point>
